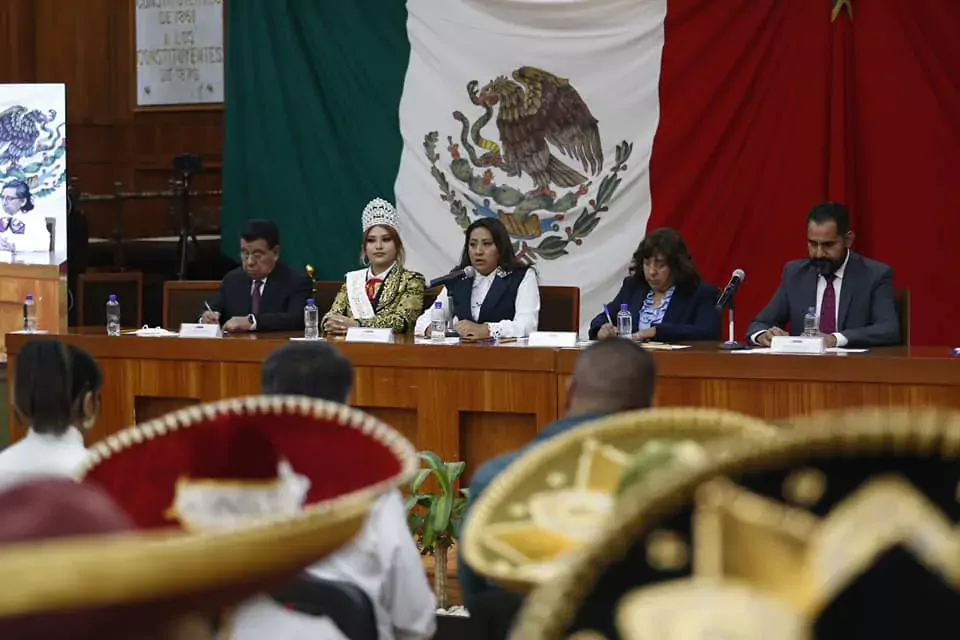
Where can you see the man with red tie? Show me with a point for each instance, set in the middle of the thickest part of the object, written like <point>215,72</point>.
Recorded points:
<point>852,295</point>
<point>263,293</point>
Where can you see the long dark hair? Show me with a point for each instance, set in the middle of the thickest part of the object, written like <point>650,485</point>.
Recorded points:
<point>43,386</point>
<point>668,243</point>
<point>501,239</point>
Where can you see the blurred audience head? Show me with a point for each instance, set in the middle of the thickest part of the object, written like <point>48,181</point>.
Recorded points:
<point>313,369</point>
<point>43,386</point>
<point>611,376</point>
<point>86,381</point>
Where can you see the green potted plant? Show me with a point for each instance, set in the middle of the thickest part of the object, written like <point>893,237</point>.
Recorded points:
<point>435,518</point>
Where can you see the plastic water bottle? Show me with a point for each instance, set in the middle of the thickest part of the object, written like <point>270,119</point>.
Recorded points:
<point>438,329</point>
<point>113,315</point>
<point>311,320</point>
<point>810,325</point>
<point>624,322</point>
<point>29,314</point>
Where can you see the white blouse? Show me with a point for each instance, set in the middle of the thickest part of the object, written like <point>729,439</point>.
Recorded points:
<point>527,307</point>
<point>42,454</point>
<point>383,561</point>
<point>35,237</point>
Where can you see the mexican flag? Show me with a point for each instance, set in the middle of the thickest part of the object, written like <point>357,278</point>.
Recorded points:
<point>540,116</point>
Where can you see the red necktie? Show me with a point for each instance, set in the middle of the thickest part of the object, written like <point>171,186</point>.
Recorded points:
<point>828,308</point>
<point>255,298</point>
<point>372,285</point>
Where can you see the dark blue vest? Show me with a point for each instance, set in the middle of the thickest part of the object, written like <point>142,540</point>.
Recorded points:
<point>500,303</point>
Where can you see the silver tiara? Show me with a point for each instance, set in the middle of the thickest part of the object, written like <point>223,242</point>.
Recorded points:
<point>378,211</point>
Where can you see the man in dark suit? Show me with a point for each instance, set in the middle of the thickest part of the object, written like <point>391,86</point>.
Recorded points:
<point>852,295</point>
<point>263,294</point>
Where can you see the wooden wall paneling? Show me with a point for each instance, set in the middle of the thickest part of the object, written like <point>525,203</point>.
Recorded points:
<point>88,45</point>
<point>17,40</point>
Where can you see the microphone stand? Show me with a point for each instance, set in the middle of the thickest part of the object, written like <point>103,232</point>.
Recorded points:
<point>731,344</point>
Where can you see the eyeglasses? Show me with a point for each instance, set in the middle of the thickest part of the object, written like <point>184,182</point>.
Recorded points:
<point>257,256</point>
<point>10,198</point>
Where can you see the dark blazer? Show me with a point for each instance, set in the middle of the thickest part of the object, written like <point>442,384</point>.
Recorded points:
<point>500,303</point>
<point>281,303</point>
<point>866,316</point>
<point>690,316</point>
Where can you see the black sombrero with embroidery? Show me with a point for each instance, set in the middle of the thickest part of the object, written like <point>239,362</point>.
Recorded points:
<point>845,527</point>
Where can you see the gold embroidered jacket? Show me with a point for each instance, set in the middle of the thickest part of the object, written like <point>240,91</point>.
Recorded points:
<point>397,305</point>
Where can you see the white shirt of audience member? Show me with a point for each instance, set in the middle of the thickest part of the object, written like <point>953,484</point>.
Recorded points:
<point>526,316</point>
<point>382,560</point>
<point>42,454</point>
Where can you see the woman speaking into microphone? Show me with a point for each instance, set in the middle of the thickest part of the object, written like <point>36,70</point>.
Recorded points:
<point>501,300</point>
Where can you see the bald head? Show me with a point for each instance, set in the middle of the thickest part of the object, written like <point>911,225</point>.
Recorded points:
<point>612,376</point>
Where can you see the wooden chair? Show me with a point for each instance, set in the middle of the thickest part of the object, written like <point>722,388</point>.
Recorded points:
<point>559,309</point>
<point>183,301</point>
<point>93,290</point>
<point>324,293</point>
<point>901,299</point>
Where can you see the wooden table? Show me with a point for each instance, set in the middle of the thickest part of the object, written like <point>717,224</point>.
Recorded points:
<point>470,402</point>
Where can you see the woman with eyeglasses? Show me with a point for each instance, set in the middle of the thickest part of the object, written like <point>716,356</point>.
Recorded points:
<point>502,300</point>
<point>665,295</point>
<point>383,294</point>
<point>22,230</point>
<point>56,392</point>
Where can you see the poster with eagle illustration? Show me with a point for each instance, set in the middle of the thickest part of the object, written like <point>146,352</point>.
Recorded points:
<point>545,125</point>
<point>33,170</point>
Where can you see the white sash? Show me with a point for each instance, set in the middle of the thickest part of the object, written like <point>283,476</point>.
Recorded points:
<point>360,306</point>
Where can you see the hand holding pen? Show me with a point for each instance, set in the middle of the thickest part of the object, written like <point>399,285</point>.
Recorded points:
<point>210,316</point>
<point>608,330</point>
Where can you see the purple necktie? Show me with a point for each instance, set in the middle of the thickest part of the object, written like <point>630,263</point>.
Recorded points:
<point>255,298</point>
<point>828,308</point>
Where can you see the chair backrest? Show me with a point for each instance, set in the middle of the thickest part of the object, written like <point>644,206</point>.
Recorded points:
<point>430,296</point>
<point>344,603</point>
<point>93,289</point>
<point>559,309</point>
<point>324,293</point>
<point>901,298</point>
<point>183,301</point>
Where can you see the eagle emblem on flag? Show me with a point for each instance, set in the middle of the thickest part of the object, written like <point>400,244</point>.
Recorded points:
<point>539,178</point>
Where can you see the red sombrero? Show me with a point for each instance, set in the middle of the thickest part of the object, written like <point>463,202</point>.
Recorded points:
<point>234,475</point>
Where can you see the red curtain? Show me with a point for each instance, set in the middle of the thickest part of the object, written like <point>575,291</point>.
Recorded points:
<point>768,107</point>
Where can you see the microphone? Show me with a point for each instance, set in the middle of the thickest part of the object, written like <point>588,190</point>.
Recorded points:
<point>727,294</point>
<point>457,274</point>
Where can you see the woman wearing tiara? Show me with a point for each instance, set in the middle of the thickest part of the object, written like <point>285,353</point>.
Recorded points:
<point>383,294</point>
<point>501,300</point>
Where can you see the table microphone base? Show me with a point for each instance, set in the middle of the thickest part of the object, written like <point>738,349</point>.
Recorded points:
<point>731,346</point>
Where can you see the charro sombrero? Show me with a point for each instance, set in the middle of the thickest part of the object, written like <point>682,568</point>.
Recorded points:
<point>525,527</point>
<point>844,527</point>
<point>195,470</point>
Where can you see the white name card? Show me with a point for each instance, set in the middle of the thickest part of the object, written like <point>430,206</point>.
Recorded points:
<point>366,334</point>
<point>200,330</point>
<point>797,344</point>
<point>552,339</point>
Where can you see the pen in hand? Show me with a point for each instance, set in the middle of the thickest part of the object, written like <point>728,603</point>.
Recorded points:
<point>606,312</point>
